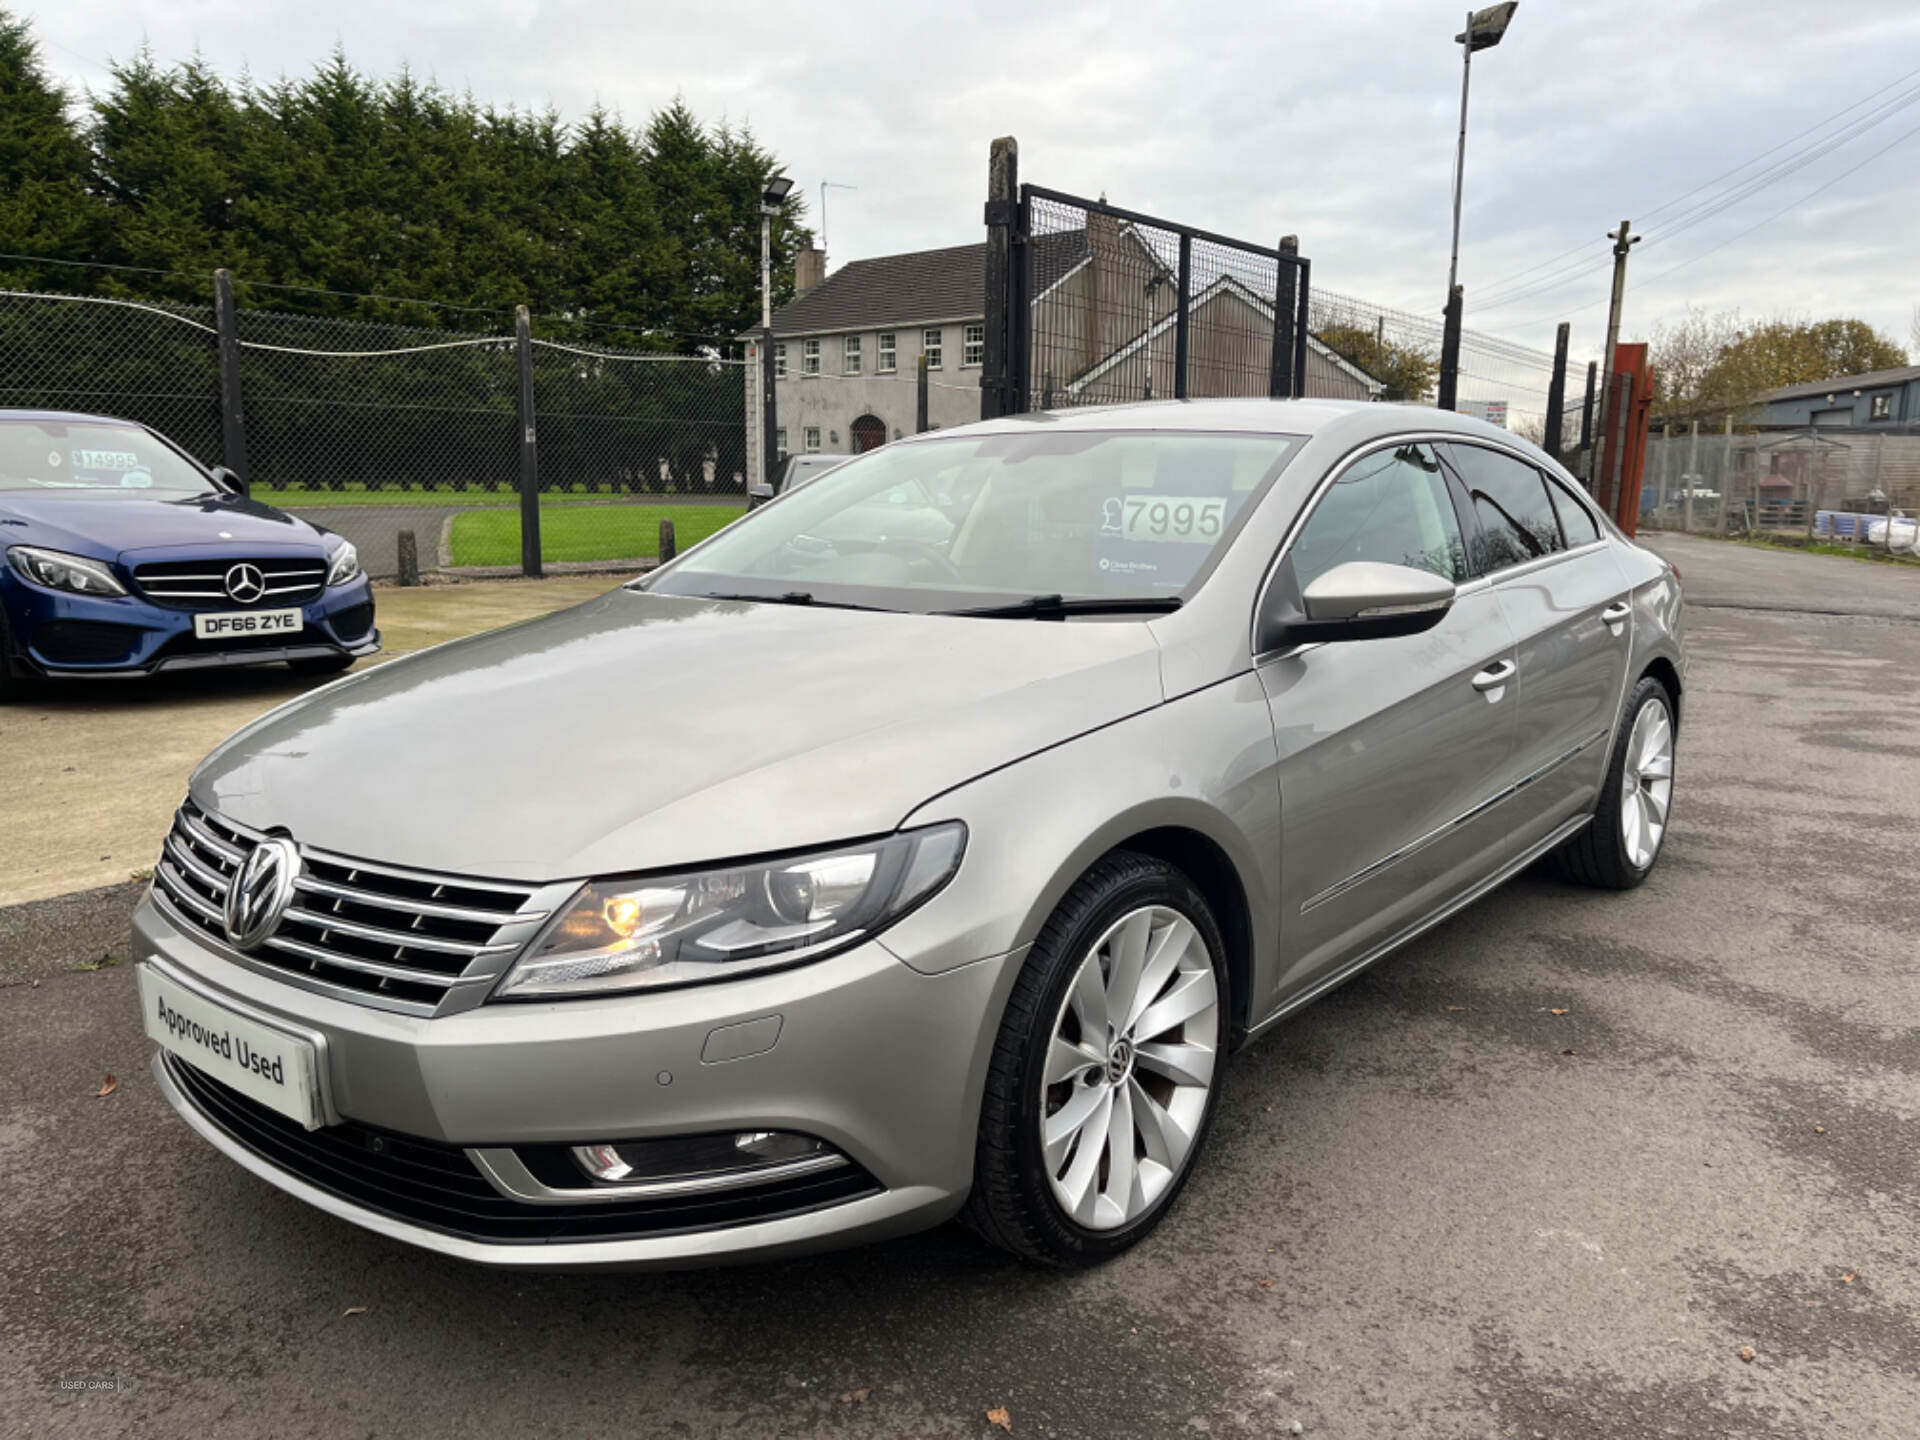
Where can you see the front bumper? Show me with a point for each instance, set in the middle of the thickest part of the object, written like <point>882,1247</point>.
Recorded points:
<point>881,1062</point>
<point>157,638</point>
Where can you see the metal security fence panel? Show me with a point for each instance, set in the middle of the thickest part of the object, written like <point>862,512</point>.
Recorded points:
<point>153,362</point>
<point>1823,484</point>
<point>618,422</point>
<point>1109,306</point>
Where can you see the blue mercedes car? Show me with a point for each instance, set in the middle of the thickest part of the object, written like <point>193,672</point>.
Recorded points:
<point>125,557</point>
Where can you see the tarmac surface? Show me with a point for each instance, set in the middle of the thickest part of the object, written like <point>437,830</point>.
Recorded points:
<point>1433,1205</point>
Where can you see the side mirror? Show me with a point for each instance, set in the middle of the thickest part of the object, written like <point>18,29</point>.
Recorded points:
<point>231,480</point>
<point>1360,600</point>
<point>758,495</point>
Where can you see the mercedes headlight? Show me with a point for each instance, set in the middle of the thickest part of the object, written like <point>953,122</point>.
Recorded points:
<point>57,570</point>
<point>345,566</point>
<point>716,924</point>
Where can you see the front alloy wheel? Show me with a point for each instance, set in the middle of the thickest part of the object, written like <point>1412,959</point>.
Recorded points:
<point>1104,1075</point>
<point>1126,1089</point>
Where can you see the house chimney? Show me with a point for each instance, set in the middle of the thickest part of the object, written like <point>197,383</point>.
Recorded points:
<point>809,269</point>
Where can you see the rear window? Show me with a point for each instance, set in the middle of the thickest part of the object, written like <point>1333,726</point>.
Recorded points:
<point>1575,523</point>
<point>92,455</point>
<point>1517,520</point>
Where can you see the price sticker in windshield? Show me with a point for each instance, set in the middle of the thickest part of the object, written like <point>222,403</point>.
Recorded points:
<point>1179,519</point>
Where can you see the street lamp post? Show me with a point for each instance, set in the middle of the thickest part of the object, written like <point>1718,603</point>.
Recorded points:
<point>772,200</point>
<point>1484,31</point>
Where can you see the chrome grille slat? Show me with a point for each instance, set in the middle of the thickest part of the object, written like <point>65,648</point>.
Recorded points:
<point>354,962</point>
<point>182,856</point>
<point>202,835</point>
<point>408,906</point>
<point>446,931</point>
<point>399,939</point>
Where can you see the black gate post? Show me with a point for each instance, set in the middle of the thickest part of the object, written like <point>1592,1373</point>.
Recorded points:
<point>1450,352</point>
<point>1556,392</point>
<point>769,411</point>
<point>1281,381</point>
<point>529,454</point>
<point>1180,337</point>
<point>1586,425</point>
<point>1003,186</point>
<point>1302,292</point>
<point>233,420</point>
<point>920,420</point>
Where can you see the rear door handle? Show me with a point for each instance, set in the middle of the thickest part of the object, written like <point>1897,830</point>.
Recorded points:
<point>1615,615</point>
<point>1492,681</point>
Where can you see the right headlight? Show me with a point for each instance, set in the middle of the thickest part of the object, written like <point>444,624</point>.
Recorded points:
<point>719,923</point>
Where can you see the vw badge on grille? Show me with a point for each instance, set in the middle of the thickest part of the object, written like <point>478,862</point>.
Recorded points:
<point>261,890</point>
<point>245,583</point>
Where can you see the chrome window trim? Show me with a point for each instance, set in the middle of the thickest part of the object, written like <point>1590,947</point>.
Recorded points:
<point>1540,562</point>
<point>1440,832</point>
<point>504,1171</point>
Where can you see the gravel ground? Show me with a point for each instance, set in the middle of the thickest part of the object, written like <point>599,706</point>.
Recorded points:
<point>1432,1206</point>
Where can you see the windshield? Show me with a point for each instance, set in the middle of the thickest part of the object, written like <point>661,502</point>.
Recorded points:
<point>92,455</point>
<point>943,523</point>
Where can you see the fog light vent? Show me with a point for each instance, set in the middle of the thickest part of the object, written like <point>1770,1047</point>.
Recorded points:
<point>629,1162</point>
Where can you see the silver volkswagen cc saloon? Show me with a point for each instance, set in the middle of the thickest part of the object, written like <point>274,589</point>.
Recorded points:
<point>921,845</point>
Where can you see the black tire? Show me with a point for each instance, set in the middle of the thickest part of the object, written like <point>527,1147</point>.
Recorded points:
<point>321,664</point>
<point>1012,1203</point>
<point>1598,856</point>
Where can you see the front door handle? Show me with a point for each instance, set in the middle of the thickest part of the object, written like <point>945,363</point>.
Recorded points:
<point>1492,681</point>
<point>1615,615</point>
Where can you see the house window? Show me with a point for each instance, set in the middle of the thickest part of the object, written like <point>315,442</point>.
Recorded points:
<point>813,439</point>
<point>1882,408</point>
<point>975,349</point>
<point>780,442</point>
<point>888,359</point>
<point>810,358</point>
<point>930,347</point>
<point>852,366</point>
<point>779,362</point>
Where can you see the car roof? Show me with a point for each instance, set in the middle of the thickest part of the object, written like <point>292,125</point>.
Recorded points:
<point>67,417</point>
<point>1355,420</point>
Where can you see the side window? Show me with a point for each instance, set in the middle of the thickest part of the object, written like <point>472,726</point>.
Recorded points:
<point>1517,522</point>
<point>1391,506</point>
<point>1575,523</point>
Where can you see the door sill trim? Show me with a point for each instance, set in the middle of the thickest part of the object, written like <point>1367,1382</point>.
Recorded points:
<point>1420,927</point>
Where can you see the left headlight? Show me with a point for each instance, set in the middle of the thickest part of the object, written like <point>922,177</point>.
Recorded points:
<point>716,924</point>
<point>345,566</point>
<point>58,570</point>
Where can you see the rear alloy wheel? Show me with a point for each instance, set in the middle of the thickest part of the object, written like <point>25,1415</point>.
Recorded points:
<point>1618,850</point>
<point>1106,1070</point>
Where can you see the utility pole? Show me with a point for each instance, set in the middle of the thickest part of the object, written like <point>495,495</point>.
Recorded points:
<point>1623,240</point>
<point>826,185</point>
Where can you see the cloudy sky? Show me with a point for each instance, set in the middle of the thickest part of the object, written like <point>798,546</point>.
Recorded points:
<point>1334,120</point>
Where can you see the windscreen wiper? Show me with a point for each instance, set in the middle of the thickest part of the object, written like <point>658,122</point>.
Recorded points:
<point>798,597</point>
<point>1050,607</point>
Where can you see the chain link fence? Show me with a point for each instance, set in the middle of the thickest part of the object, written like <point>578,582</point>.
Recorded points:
<point>373,429</point>
<point>1834,484</point>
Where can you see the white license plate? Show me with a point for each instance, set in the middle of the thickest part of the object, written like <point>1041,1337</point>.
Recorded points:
<point>277,1069</point>
<point>246,622</point>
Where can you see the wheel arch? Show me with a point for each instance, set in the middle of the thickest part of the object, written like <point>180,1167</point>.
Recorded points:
<point>1202,860</point>
<point>1664,670</point>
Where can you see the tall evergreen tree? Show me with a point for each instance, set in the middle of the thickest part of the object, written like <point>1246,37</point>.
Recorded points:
<point>44,205</point>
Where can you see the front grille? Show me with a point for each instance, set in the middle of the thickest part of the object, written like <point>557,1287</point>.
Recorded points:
<point>202,584</point>
<point>73,642</point>
<point>430,1184</point>
<point>354,621</point>
<point>403,937</point>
